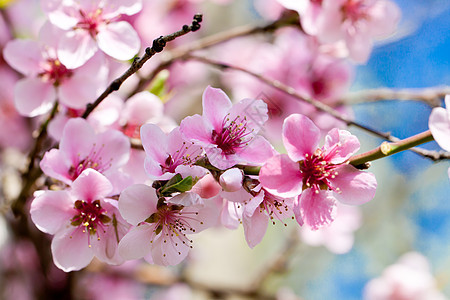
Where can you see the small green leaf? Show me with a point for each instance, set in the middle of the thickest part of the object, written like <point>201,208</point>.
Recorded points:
<point>178,185</point>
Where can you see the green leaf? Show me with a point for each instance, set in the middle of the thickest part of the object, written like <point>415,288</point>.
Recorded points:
<point>178,185</point>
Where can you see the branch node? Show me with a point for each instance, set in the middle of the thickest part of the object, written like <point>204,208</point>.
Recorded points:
<point>115,85</point>
<point>158,44</point>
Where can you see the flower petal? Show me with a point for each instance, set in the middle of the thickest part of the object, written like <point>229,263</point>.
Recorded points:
<point>356,187</point>
<point>340,145</point>
<point>33,97</point>
<point>216,105</point>
<point>315,209</point>
<point>24,56</point>
<point>281,176</point>
<point>76,48</point>
<point>195,128</point>
<point>78,139</point>
<point>155,143</point>
<point>51,210</point>
<point>137,203</point>
<point>119,40</point>
<point>91,185</point>
<point>255,227</point>
<point>70,249</point>
<point>137,242</point>
<point>300,136</point>
<point>439,125</point>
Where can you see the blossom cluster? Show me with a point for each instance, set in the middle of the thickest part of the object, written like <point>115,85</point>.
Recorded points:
<point>137,178</point>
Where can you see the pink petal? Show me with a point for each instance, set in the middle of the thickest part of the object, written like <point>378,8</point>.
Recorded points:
<point>253,205</point>
<point>340,145</point>
<point>281,176</point>
<point>219,159</point>
<point>169,252</point>
<point>154,171</point>
<point>24,56</point>
<point>76,48</point>
<point>142,107</point>
<point>384,17</point>
<point>92,76</point>
<point>55,164</point>
<point>359,46</point>
<point>355,187</point>
<point>78,139</point>
<point>106,247</point>
<point>91,185</point>
<point>251,111</point>
<point>115,148</point>
<point>439,124</point>
<point>216,105</point>
<point>33,97</point>
<point>137,242</point>
<point>70,249</point>
<point>137,203</point>
<point>231,214</point>
<point>255,227</point>
<point>119,40</point>
<point>258,151</point>
<point>316,209</point>
<point>155,143</point>
<point>59,14</point>
<point>52,210</point>
<point>186,199</point>
<point>195,128</point>
<point>300,136</point>
<point>114,8</point>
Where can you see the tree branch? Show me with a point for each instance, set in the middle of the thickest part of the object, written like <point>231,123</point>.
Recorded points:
<point>158,46</point>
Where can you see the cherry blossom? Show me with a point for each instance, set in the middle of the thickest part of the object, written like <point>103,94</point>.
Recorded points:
<point>167,155</point>
<point>48,79</point>
<point>354,22</point>
<point>93,25</point>
<point>161,232</point>
<point>84,222</point>
<point>227,132</point>
<point>439,124</point>
<point>409,278</point>
<point>81,148</point>
<point>318,176</point>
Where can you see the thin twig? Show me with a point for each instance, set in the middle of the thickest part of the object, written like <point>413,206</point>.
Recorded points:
<point>178,53</point>
<point>158,46</point>
<point>431,96</point>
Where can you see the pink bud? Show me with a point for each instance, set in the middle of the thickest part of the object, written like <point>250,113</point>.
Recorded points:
<point>231,180</point>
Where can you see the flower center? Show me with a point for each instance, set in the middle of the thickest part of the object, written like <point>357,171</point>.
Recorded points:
<point>183,156</point>
<point>91,216</point>
<point>54,71</point>
<point>90,21</point>
<point>317,171</point>
<point>234,135</point>
<point>354,10</point>
<point>92,161</point>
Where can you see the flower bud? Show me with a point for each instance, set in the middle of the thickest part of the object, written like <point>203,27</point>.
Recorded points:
<point>231,180</point>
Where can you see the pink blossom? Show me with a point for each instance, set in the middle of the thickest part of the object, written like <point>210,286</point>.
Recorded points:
<point>409,278</point>
<point>47,79</point>
<point>167,155</point>
<point>84,222</point>
<point>81,148</point>
<point>318,176</point>
<point>162,230</point>
<point>355,22</point>
<point>93,25</point>
<point>439,124</point>
<point>227,132</point>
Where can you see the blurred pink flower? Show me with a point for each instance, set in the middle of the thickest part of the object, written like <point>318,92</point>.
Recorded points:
<point>339,236</point>
<point>227,132</point>
<point>356,22</point>
<point>93,25</point>
<point>408,279</point>
<point>439,124</point>
<point>84,222</point>
<point>48,80</point>
<point>318,176</point>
